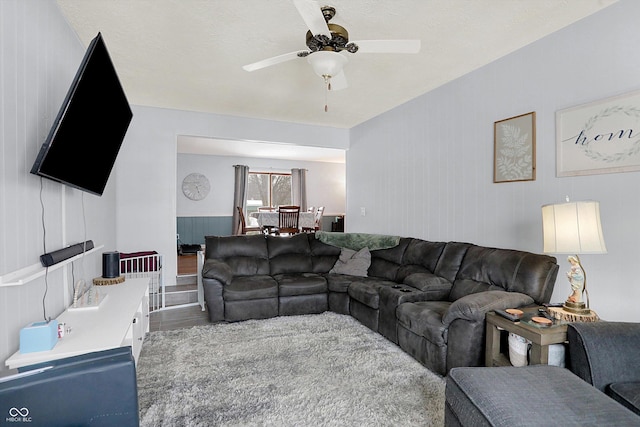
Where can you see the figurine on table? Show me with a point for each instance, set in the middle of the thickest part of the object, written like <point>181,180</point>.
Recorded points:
<point>576,279</point>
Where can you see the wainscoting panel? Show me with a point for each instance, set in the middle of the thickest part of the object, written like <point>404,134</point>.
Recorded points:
<point>193,229</point>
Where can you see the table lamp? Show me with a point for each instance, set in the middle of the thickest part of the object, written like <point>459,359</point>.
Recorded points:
<point>574,228</point>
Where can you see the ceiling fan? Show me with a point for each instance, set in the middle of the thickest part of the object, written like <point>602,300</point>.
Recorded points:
<point>327,43</point>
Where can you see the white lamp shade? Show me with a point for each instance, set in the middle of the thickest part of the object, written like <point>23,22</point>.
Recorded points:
<point>573,228</point>
<point>327,63</point>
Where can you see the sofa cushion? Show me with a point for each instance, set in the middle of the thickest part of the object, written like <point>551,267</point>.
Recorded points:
<point>296,244</point>
<point>289,254</point>
<point>323,256</point>
<point>364,293</point>
<point>339,282</point>
<point>385,263</point>
<point>221,247</point>
<point>300,284</point>
<point>352,263</point>
<point>424,318</point>
<point>464,287</point>
<point>485,269</point>
<point>627,394</point>
<point>530,395</point>
<point>435,287</point>
<point>367,291</point>
<point>248,266</point>
<point>250,288</point>
<point>450,260</point>
<point>245,255</point>
<point>290,263</point>
<point>420,256</point>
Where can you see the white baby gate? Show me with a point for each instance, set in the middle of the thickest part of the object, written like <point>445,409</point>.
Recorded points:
<point>147,265</point>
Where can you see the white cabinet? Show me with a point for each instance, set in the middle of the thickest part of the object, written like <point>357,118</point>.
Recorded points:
<point>139,327</point>
<point>122,319</point>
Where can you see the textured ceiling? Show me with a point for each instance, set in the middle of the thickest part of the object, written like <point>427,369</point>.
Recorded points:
<point>188,54</point>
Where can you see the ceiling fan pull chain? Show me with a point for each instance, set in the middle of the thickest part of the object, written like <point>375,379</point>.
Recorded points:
<point>327,81</point>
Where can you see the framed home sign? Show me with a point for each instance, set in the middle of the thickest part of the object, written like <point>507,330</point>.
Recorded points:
<point>514,149</point>
<point>599,137</point>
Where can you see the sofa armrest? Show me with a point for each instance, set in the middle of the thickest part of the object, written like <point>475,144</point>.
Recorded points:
<point>602,353</point>
<point>216,269</point>
<point>473,307</point>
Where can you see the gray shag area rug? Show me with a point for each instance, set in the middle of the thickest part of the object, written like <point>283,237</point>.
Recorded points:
<point>314,370</point>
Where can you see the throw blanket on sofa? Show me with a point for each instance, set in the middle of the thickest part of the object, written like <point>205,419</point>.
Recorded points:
<point>357,241</point>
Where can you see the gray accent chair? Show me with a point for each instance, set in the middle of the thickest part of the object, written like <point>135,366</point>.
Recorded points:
<point>607,356</point>
<point>601,385</point>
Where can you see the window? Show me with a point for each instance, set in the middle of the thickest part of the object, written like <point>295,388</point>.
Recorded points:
<point>268,189</point>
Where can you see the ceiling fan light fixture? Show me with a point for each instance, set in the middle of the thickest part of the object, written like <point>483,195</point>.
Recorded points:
<point>327,63</point>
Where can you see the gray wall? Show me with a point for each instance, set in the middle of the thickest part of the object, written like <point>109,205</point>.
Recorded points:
<point>325,187</point>
<point>325,182</point>
<point>40,56</point>
<point>430,161</point>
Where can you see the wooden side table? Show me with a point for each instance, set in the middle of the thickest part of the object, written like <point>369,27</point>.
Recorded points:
<point>562,314</point>
<point>541,337</point>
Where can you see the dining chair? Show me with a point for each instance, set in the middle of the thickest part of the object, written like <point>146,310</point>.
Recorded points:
<point>311,210</point>
<point>242,224</point>
<point>268,229</point>
<point>288,220</point>
<point>318,218</point>
<point>317,215</point>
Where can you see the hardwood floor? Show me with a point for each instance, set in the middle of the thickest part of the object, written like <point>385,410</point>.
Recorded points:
<point>187,264</point>
<point>177,318</point>
<point>182,316</point>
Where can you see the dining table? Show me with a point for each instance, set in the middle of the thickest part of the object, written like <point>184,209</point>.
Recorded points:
<point>272,219</point>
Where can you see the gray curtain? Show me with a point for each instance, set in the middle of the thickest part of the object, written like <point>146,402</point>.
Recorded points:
<point>299,188</point>
<point>239,194</point>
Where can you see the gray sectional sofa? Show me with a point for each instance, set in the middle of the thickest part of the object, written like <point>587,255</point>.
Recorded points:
<point>600,387</point>
<point>430,298</point>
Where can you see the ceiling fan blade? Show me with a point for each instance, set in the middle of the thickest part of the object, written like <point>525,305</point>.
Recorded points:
<point>388,46</point>
<point>313,17</point>
<point>270,61</point>
<point>339,81</point>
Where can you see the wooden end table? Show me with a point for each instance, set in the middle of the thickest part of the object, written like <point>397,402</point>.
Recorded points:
<point>541,337</point>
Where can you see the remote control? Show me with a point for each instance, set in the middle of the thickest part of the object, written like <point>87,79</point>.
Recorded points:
<point>553,304</point>
<point>544,313</point>
<point>507,315</point>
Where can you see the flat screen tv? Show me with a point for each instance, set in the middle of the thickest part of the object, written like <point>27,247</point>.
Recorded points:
<point>85,138</point>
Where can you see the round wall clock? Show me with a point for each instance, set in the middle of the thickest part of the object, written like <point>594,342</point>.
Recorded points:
<point>195,186</point>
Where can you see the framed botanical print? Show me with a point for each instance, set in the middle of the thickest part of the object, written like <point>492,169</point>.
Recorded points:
<point>514,145</point>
